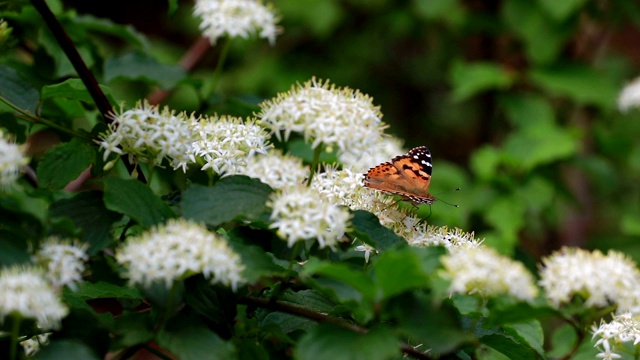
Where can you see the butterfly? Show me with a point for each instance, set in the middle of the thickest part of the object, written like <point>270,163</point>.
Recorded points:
<point>407,175</point>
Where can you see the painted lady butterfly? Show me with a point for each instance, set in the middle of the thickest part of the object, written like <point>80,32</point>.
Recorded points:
<point>406,175</point>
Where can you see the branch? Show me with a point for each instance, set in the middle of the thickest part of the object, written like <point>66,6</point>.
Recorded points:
<point>289,308</point>
<point>83,71</point>
<point>70,50</point>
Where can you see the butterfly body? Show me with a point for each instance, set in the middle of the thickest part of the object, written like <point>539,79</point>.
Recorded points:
<point>407,175</point>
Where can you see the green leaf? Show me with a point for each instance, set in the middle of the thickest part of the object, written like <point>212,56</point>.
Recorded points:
<point>542,35</point>
<point>470,79</point>
<point>341,273</point>
<point>561,10</point>
<point>66,349</point>
<point>308,299</point>
<point>134,199</point>
<point>582,84</point>
<point>321,18</point>
<point>137,66</point>
<point>539,145</point>
<point>262,264</point>
<point>399,271</point>
<point>485,162</point>
<point>629,224</point>
<point>527,110</point>
<point>230,198</point>
<point>188,339</point>
<point>367,227</point>
<point>215,303</point>
<point>64,163</point>
<point>86,209</point>
<point>506,215</point>
<point>104,290</point>
<point>422,321</point>
<point>127,33</point>
<point>73,89</point>
<point>510,346</point>
<point>529,333</point>
<point>17,90</point>
<point>329,342</point>
<point>132,329</point>
<point>452,12</point>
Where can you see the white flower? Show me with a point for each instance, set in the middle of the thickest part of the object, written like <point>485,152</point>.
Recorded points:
<point>33,345</point>
<point>623,328</point>
<point>367,250</point>
<point>424,235</point>
<point>64,261</point>
<point>11,161</point>
<point>345,187</point>
<point>629,96</point>
<point>275,169</point>
<point>28,294</point>
<point>235,18</point>
<point>177,250</point>
<point>599,279</point>
<point>226,143</point>
<point>384,149</point>
<point>482,270</point>
<point>325,114</point>
<point>301,213</point>
<point>150,134</point>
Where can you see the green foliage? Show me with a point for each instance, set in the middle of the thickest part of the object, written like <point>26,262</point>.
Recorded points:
<point>516,100</point>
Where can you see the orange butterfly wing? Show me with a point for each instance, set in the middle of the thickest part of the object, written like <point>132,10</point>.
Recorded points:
<point>407,175</point>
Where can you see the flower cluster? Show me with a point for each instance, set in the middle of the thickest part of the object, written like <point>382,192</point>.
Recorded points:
<point>624,328</point>
<point>150,134</point>
<point>11,161</point>
<point>226,143</point>
<point>177,250</point>
<point>63,260</point>
<point>235,18</point>
<point>599,279</point>
<point>275,169</point>
<point>481,270</point>
<point>327,115</point>
<point>32,346</point>
<point>301,213</point>
<point>27,293</point>
<point>424,235</point>
<point>629,96</point>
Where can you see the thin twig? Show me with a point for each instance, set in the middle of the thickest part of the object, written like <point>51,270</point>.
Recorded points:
<point>322,318</point>
<point>83,71</point>
<point>76,60</point>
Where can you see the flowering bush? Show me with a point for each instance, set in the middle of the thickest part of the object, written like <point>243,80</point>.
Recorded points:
<point>241,221</point>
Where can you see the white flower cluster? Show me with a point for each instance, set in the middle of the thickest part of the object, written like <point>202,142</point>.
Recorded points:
<point>386,148</point>
<point>442,236</point>
<point>623,328</point>
<point>301,213</point>
<point>235,18</point>
<point>11,161</point>
<point>599,279</point>
<point>275,169</point>
<point>32,346</point>
<point>63,260</point>
<point>629,96</point>
<point>482,270</point>
<point>225,143</point>
<point>150,134</point>
<point>27,293</point>
<point>325,114</point>
<point>177,250</point>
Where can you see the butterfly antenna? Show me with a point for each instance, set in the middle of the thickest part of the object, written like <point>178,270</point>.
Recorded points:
<point>448,203</point>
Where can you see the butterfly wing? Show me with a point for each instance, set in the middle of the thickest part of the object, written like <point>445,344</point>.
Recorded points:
<point>408,175</point>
